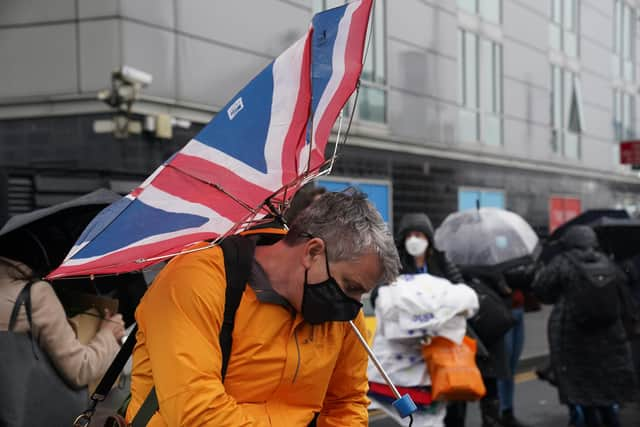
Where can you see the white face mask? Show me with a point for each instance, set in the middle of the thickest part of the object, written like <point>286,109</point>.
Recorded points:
<point>416,245</point>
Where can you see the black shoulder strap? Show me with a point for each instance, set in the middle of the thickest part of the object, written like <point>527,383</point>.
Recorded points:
<point>109,378</point>
<point>24,298</point>
<point>238,257</point>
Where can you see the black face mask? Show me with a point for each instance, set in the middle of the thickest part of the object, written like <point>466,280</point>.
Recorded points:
<point>326,301</point>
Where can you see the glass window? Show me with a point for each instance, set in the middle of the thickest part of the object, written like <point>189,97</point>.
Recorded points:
<point>471,70</point>
<point>480,79</point>
<point>628,43</point>
<point>468,73</point>
<point>468,125</point>
<point>617,116</point>
<point>572,145</point>
<point>490,10</point>
<point>368,70</point>
<point>571,43</point>
<point>556,104</point>
<point>555,36</point>
<point>372,104</point>
<point>563,29</point>
<point>372,100</point>
<point>492,129</point>
<point>498,78</point>
<point>627,115</point>
<point>623,41</point>
<point>556,11</point>
<point>575,105</point>
<point>379,46</point>
<point>566,113</point>
<point>569,16</point>
<point>626,32</point>
<point>567,91</point>
<point>624,104</point>
<point>469,6</point>
<point>556,108</point>
<point>487,74</point>
<point>470,199</point>
<point>491,94</point>
<point>461,80</point>
<point>617,38</point>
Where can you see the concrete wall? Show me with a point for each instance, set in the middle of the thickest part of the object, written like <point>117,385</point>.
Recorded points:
<point>201,52</point>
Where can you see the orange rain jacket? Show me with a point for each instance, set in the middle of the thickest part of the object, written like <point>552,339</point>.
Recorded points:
<point>281,371</point>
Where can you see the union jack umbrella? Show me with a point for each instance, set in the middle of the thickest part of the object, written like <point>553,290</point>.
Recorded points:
<point>268,140</point>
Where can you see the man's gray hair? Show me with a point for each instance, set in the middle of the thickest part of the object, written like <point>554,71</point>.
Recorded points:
<point>350,227</point>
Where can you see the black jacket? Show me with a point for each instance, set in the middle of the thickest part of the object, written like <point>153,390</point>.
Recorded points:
<point>592,366</point>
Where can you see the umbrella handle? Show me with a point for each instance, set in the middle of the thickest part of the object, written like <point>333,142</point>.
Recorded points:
<point>403,404</point>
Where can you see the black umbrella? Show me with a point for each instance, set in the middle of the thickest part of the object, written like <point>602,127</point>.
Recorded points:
<point>42,238</point>
<point>592,218</point>
<point>619,237</point>
<point>589,217</point>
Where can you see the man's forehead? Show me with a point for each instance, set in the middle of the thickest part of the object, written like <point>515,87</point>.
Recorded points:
<point>365,271</point>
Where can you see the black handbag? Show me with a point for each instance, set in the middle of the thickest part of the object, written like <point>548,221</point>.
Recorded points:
<point>32,392</point>
<point>494,318</point>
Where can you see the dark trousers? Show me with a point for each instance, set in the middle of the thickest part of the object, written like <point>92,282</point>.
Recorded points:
<point>600,416</point>
<point>456,414</point>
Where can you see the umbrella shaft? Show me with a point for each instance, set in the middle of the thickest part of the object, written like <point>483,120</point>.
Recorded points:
<point>375,361</point>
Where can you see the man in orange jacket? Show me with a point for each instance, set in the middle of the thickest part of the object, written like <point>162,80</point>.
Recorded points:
<point>294,354</point>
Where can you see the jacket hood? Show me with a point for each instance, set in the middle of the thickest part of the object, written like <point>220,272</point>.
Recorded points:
<point>580,237</point>
<point>415,222</point>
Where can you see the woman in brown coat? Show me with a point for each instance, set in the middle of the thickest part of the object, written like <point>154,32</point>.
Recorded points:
<point>78,364</point>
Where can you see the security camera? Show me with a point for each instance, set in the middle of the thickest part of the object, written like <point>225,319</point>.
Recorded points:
<point>133,76</point>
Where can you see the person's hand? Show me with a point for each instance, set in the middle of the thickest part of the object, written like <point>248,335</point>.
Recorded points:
<point>114,324</point>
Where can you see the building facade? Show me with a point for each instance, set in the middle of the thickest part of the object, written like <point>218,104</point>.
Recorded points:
<point>508,103</point>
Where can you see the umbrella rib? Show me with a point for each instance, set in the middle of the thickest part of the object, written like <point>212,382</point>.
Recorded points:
<point>217,187</point>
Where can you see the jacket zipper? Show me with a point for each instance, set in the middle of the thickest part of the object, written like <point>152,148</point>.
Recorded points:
<point>295,375</point>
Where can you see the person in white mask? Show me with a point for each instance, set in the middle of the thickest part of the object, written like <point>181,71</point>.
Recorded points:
<point>417,251</point>
<point>419,255</point>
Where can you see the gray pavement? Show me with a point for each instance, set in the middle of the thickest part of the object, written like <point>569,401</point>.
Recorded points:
<point>536,402</point>
<point>536,347</point>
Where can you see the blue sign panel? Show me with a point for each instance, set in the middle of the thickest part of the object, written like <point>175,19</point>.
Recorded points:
<point>379,193</point>
<point>468,199</point>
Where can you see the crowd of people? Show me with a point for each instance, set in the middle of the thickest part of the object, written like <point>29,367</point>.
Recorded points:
<point>255,332</point>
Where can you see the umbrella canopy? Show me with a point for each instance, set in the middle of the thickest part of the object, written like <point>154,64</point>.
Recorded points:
<point>619,237</point>
<point>592,218</point>
<point>589,217</point>
<point>487,237</point>
<point>245,163</point>
<point>42,238</point>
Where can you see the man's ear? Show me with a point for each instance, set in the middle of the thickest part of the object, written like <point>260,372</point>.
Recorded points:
<point>312,249</point>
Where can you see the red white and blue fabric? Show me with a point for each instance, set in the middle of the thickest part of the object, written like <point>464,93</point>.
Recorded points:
<point>256,146</point>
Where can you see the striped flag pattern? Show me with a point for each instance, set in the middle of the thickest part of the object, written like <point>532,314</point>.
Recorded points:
<point>272,132</point>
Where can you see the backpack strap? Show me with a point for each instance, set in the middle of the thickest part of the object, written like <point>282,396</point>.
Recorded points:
<point>238,256</point>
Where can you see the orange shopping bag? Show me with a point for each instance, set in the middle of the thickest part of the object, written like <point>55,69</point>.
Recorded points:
<point>453,370</point>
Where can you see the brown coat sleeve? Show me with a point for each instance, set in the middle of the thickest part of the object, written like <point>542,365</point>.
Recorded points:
<point>78,364</point>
